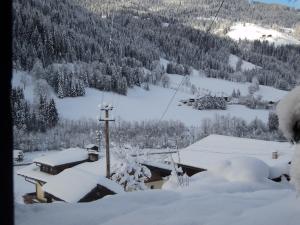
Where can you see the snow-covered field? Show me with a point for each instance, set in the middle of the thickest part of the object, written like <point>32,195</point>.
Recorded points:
<point>253,32</point>
<point>140,104</point>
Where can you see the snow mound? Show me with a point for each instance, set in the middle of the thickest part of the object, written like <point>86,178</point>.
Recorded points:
<point>253,32</point>
<point>242,169</point>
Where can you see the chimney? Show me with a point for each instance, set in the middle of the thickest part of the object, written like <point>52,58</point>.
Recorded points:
<point>275,155</point>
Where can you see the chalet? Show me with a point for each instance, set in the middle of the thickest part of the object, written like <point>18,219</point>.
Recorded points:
<point>45,167</point>
<point>78,175</point>
<point>207,152</point>
<point>18,155</point>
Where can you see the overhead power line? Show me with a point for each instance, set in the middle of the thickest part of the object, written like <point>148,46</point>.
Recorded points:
<point>211,24</point>
<point>171,100</point>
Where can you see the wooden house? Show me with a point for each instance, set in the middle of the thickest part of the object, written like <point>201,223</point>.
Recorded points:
<point>77,185</point>
<point>77,175</point>
<point>206,153</point>
<point>45,167</point>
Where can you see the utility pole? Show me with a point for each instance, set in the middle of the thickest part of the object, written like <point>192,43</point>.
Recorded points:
<point>107,108</point>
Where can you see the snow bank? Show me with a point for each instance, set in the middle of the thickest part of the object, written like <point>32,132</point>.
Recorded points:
<point>209,200</point>
<point>242,169</point>
<point>63,157</point>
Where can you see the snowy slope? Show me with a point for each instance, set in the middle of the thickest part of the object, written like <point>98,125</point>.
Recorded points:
<point>233,60</point>
<point>254,32</point>
<point>140,104</point>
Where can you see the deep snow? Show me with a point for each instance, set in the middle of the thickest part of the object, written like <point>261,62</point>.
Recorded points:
<point>208,200</point>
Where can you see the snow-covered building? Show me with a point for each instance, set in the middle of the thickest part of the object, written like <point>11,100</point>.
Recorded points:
<point>79,185</point>
<point>77,175</point>
<point>208,152</point>
<point>47,166</point>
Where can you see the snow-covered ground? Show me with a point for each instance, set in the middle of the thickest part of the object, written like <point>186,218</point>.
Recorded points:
<point>209,199</point>
<point>253,32</point>
<point>140,104</point>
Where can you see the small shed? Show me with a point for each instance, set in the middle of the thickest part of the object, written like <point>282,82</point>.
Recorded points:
<point>93,152</point>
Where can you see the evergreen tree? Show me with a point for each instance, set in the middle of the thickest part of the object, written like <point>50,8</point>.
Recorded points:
<point>52,114</point>
<point>273,122</point>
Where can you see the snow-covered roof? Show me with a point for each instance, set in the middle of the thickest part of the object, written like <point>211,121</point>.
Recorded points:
<point>214,148</point>
<point>63,157</point>
<point>90,146</point>
<point>73,184</point>
<point>33,171</point>
<point>159,165</point>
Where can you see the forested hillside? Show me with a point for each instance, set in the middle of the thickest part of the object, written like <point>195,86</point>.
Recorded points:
<point>110,51</point>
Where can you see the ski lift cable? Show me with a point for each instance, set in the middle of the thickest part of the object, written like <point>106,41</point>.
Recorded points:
<point>215,17</point>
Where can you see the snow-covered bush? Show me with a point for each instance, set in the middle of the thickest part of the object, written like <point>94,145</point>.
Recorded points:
<point>176,179</point>
<point>129,172</point>
<point>273,121</point>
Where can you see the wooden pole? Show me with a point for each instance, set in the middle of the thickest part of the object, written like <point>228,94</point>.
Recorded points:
<point>106,119</point>
<point>107,144</point>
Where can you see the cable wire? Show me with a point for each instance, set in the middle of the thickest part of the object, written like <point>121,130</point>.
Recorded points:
<point>171,100</point>
<point>211,24</point>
